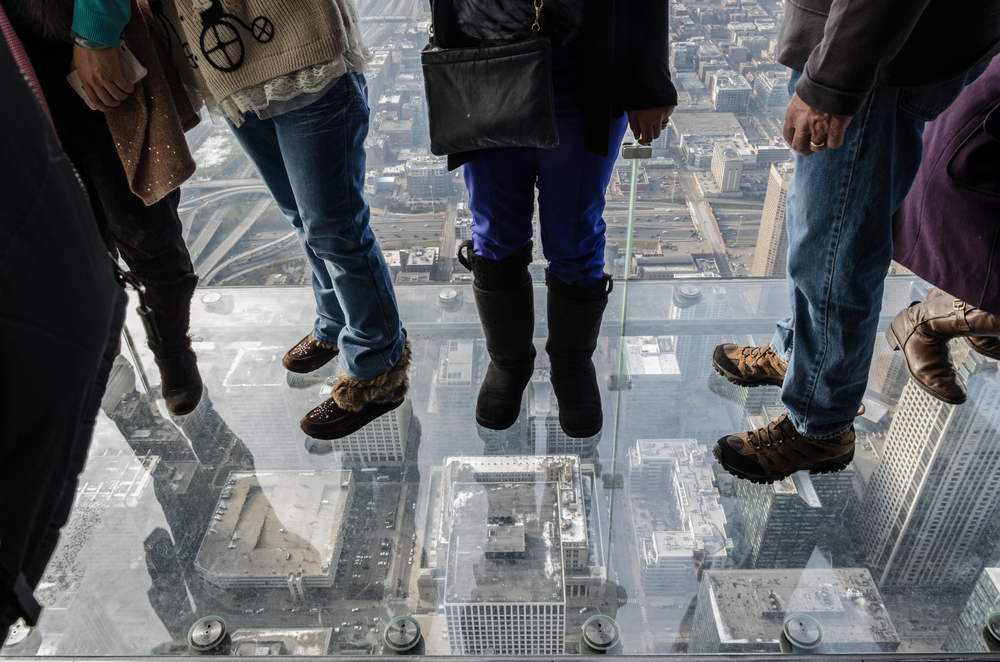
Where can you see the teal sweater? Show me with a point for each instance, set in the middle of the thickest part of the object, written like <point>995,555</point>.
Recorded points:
<point>100,20</point>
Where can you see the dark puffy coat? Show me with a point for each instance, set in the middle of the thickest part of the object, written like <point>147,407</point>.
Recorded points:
<point>948,229</point>
<point>624,45</point>
<point>57,292</point>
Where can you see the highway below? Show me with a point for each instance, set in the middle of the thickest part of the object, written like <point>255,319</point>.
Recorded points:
<point>701,215</point>
<point>227,244</point>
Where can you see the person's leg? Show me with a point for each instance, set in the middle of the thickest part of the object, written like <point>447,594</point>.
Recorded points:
<point>571,186</point>
<point>259,140</point>
<point>840,203</point>
<point>501,184</point>
<point>322,146</point>
<point>148,238</point>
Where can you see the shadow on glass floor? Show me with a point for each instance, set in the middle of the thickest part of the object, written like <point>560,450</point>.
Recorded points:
<point>511,542</point>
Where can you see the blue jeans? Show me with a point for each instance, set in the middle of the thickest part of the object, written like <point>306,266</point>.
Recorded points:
<point>313,162</point>
<point>571,183</point>
<point>839,221</point>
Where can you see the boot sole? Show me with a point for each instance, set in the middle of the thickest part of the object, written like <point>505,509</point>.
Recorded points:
<point>895,345</point>
<point>342,431</point>
<point>990,355</point>
<point>741,381</point>
<point>493,425</point>
<point>583,434</point>
<point>185,412</point>
<point>827,467</point>
<point>304,368</point>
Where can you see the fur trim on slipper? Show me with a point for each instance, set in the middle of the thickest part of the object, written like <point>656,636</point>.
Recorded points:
<point>353,395</point>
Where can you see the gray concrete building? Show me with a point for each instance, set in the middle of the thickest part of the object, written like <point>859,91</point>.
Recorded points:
<point>742,611</point>
<point>277,529</point>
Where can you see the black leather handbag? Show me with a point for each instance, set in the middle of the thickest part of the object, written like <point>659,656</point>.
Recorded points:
<point>493,96</point>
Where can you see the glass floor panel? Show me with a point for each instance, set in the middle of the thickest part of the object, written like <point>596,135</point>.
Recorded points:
<point>507,543</point>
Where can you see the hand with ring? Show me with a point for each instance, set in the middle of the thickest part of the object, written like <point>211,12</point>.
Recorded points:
<point>647,124</point>
<point>808,130</point>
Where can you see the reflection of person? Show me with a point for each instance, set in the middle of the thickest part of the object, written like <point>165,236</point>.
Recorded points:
<point>946,232</point>
<point>288,74</point>
<point>51,325</point>
<point>601,74</point>
<point>863,88</point>
<point>148,237</point>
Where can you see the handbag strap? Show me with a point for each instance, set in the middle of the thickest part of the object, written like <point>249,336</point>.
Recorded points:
<point>441,16</point>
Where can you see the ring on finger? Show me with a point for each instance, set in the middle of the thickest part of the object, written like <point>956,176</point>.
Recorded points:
<point>817,145</point>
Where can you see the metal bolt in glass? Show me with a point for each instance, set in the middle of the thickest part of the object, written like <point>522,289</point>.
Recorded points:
<point>600,633</point>
<point>802,634</point>
<point>402,634</point>
<point>991,633</point>
<point>207,633</point>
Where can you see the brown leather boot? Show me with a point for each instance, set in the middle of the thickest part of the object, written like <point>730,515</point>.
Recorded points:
<point>986,345</point>
<point>923,330</point>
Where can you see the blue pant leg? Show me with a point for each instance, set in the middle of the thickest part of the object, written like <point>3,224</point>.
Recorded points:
<point>322,146</point>
<point>259,141</point>
<point>501,184</point>
<point>571,186</point>
<point>838,218</point>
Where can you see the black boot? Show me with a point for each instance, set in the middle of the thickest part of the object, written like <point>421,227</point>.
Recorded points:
<point>505,300</point>
<point>181,384</point>
<point>575,315</point>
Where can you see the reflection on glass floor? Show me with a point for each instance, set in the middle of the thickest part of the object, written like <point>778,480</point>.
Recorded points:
<point>507,543</point>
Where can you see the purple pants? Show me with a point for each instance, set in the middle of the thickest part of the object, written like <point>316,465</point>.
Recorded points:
<point>570,181</point>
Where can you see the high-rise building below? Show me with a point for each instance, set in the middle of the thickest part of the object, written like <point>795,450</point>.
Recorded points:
<point>772,240</point>
<point>682,55</point>
<point>730,92</point>
<point>742,611</point>
<point>427,180</point>
<point>888,374</point>
<point>727,166</point>
<point>679,536</point>
<point>516,528</point>
<point>250,544</point>
<point>966,633</point>
<point>937,487</point>
<point>770,90</point>
<point>778,525</point>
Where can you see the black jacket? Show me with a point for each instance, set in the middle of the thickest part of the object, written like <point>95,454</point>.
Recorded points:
<point>56,291</point>
<point>845,48</point>
<point>624,44</point>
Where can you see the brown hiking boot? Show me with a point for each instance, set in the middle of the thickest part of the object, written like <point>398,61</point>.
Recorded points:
<point>308,355</point>
<point>778,450</point>
<point>749,366</point>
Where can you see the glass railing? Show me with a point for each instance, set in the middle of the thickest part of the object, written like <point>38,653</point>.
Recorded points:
<point>230,526</point>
